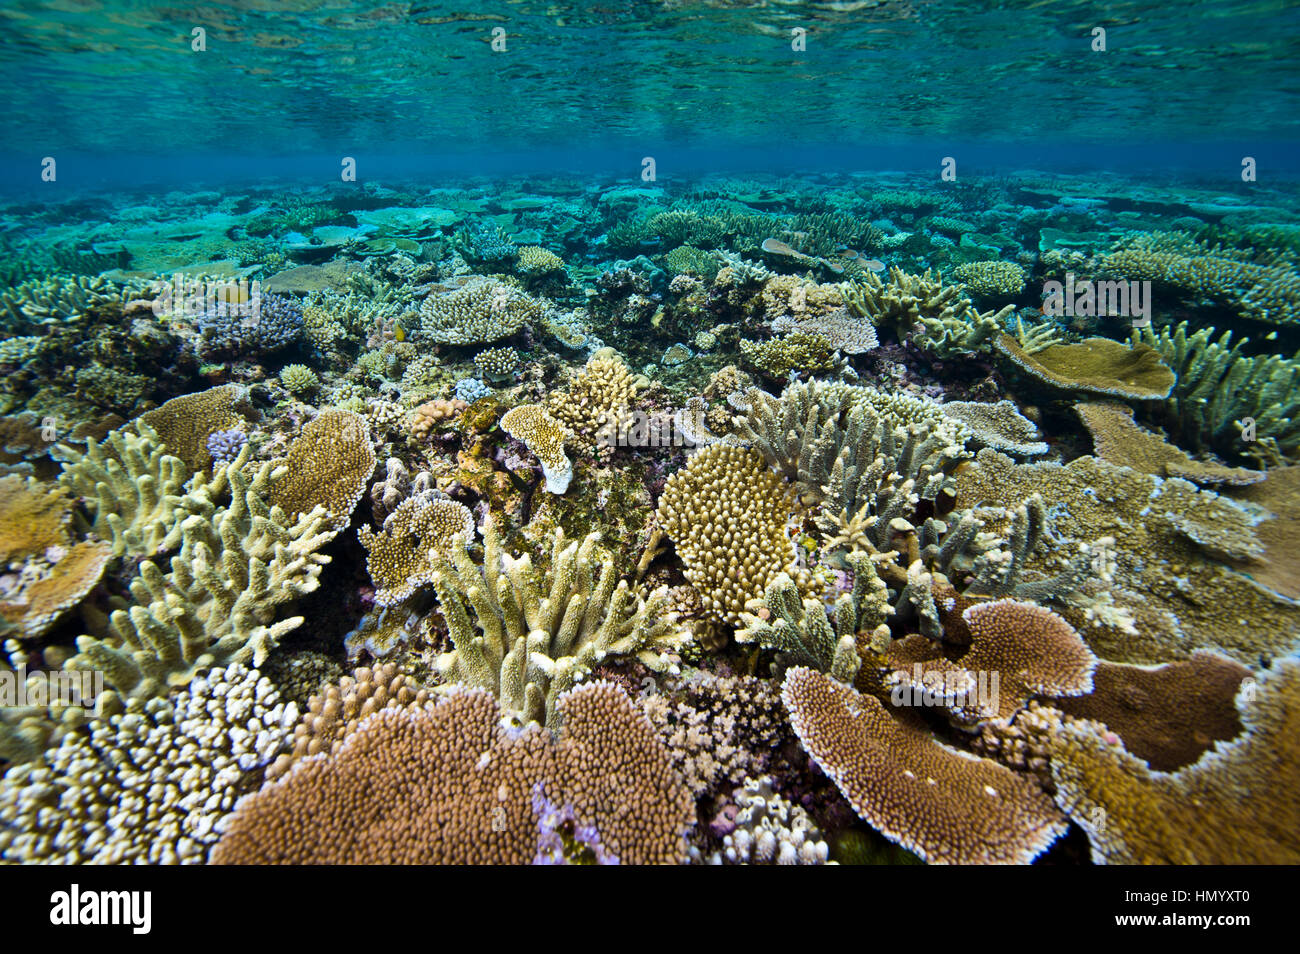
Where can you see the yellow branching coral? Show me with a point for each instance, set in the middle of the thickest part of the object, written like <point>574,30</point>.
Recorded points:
<point>1004,280</point>
<point>529,637</point>
<point>236,568</point>
<point>328,465</point>
<point>726,512</point>
<point>544,435</point>
<point>947,806</point>
<point>400,556</point>
<point>1134,815</point>
<point>1095,366</point>
<point>944,321</point>
<point>482,310</point>
<point>134,489</point>
<point>535,260</point>
<point>603,389</point>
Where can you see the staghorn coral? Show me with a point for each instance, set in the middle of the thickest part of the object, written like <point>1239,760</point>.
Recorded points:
<point>1219,388</point>
<point>135,491</point>
<point>727,513</point>
<point>1095,366</point>
<point>236,568</point>
<point>400,557</point>
<point>1118,439</point>
<point>480,311</point>
<point>947,806</point>
<point>57,300</point>
<point>328,465</point>
<point>334,714</point>
<point>528,637</point>
<point>147,785</point>
<point>807,634</point>
<point>544,436</point>
<point>448,783</point>
<point>999,425</point>
<point>1136,815</point>
<point>935,315</point>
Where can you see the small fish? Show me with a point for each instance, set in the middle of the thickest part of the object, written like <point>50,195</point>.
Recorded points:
<point>399,333</point>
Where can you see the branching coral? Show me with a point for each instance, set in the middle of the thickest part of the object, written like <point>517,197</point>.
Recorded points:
<point>528,636</point>
<point>147,786</point>
<point>482,310</point>
<point>1219,388</point>
<point>234,571</point>
<point>936,315</point>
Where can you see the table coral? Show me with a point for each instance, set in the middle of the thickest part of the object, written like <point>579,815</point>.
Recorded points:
<point>328,465</point>
<point>544,436</point>
<point>1235,805</point>
<point>448,783</point>
<point>400,557</point>
<point>1095,366</point>
<point>947,806</point>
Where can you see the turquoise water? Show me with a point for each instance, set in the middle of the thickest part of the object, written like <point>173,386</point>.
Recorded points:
<point>525,412</point>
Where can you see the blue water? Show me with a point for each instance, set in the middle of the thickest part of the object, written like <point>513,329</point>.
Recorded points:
<point>116,89</point>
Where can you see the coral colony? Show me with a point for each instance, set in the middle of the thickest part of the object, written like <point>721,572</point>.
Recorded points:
<point>883,517</point>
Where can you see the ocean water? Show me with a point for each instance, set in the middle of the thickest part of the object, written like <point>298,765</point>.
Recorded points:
<point>858,431</point>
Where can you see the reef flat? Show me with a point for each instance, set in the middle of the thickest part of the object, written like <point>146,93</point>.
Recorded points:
<point>838,518</point>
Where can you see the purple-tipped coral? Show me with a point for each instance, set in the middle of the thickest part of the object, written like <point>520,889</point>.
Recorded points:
<point>224,446</point>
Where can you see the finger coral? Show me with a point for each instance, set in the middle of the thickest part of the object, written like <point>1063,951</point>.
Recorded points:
<point>726,513</point>
<point>528,637</point>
